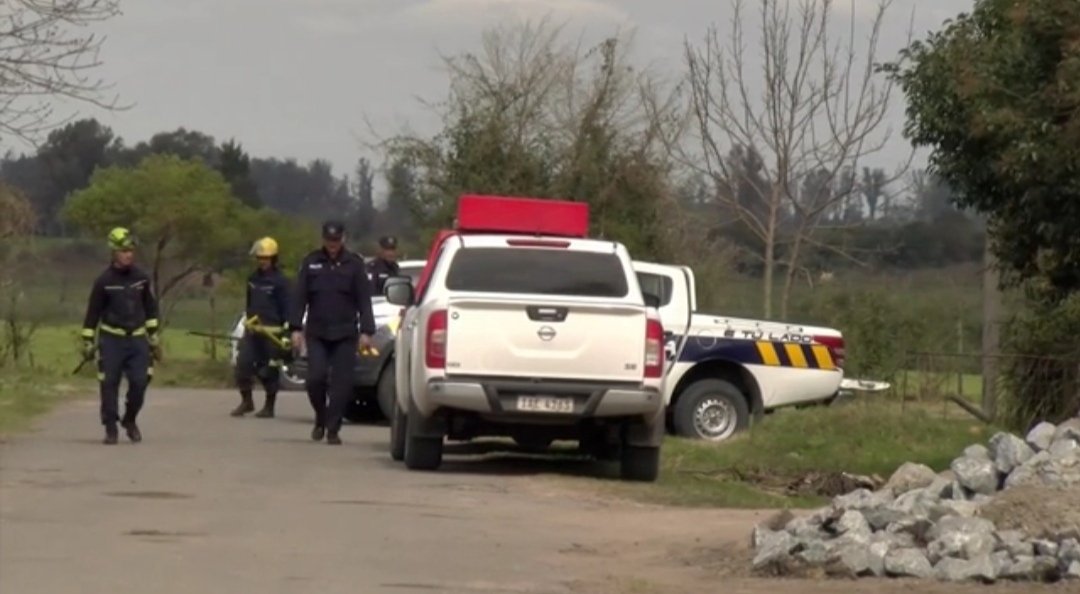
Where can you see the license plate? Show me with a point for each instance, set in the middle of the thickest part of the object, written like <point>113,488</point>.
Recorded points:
<point>545,404</point>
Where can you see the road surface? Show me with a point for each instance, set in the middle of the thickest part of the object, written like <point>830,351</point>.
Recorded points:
<point>208,504</point>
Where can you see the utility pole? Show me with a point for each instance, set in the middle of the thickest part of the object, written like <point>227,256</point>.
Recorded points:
<point>991,320</point>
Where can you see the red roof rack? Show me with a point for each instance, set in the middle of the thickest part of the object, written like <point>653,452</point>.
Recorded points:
<point>479,213</point>
<point>531,216</point>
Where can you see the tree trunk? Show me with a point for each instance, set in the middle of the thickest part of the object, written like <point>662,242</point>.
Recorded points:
<point>789,277</point>
<point>770,266</point>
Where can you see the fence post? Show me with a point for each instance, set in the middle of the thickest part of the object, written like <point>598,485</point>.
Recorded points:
<point>991,360</point>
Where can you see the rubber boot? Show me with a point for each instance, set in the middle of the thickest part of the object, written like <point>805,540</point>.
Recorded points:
<point>246,404</point>
<point>267,411</point>
<point>111,434</point>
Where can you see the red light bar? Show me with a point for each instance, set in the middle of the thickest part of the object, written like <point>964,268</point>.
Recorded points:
<point>532,216</point>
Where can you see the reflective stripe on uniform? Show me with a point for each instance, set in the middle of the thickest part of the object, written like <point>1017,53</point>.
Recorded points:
<point>121,332</point>
<point>152,323</point>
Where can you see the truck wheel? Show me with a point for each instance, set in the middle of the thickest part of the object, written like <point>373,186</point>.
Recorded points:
<point>398,421</point>
<point>639,464</point>
<point>385,390</point>
<point>291,382</point>
<point>711,409</point>
<point>421,453</point>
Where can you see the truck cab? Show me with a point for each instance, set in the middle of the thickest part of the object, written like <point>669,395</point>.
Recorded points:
<point>721,371</point>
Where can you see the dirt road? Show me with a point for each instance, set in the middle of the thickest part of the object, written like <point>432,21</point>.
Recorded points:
<point>208,503</point>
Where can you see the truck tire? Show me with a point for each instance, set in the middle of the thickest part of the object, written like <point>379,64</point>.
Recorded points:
<point>385,390</point>
<point>639,464</point>
<point>291,382</point>
<point>712,410</point>
<point>398,421</point>
<point>421,453</point>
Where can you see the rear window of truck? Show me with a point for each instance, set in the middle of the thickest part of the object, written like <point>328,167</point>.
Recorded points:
<point>541,271</point>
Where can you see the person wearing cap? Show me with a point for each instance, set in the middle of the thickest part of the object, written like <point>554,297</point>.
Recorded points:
<point>333,286</point>
<point>123,313</point>
<point>257,355</point>
<point>385,264</point>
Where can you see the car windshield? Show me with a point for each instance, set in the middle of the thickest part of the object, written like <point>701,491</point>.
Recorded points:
<point>538,271</point>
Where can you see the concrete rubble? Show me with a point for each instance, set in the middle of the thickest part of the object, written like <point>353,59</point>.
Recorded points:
<point>922,524</point>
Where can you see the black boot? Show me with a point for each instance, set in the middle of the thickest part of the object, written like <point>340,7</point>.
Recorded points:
<point>132,430</point>
<point>332,438</point>
<point>111,434</point>
<point>318,432</point>
<point>246,404</point>
<point>267,411</point>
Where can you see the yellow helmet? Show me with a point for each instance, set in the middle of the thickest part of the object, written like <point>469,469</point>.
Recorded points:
<point>121,239</point>
<point>264,248</point>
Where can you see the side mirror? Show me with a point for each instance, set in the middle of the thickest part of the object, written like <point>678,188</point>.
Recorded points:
<point>398,291</point>
<point>652,300</point>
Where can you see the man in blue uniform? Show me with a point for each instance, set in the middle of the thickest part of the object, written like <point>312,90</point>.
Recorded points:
<point>385,264</point>
<point>332,285</point>
<point>257,355</point>
<point>124,313</point>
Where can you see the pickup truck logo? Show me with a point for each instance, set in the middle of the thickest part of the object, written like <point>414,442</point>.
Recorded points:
<point>546,333</point>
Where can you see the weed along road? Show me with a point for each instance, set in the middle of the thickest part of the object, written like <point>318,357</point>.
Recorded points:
<point>209,503</point>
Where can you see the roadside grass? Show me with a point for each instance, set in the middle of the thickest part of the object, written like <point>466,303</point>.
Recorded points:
<point>24,396</point>
<point>759,468</point>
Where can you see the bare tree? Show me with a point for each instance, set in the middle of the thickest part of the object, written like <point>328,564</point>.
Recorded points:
<point>43,56</point>
<point>819,110</point>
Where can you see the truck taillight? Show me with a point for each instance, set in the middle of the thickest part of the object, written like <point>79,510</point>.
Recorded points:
<point>654,349</point>
<point>435,343</point>
<point>835,344</point>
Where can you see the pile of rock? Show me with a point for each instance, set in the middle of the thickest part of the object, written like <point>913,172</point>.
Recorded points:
<point>927,525</point>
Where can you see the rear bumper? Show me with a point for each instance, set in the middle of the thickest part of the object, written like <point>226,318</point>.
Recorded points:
<point>497,397</point>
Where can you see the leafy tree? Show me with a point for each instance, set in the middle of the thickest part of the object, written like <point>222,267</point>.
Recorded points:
<point>69,157</point>
<point>873,189</point>
<point>994,96</point>
<point>235,165</point>
<point>364,215</point>
<point>182,211</point>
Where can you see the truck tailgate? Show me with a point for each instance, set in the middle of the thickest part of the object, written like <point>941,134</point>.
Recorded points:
<point>545,338</point>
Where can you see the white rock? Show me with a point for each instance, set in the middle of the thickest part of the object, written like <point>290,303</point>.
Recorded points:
<point>856,559</point>
<point>910,476</point>
<point>977,474</point>
<point>1072,572</point>
<point>774,547</point>
<point>1015,543</point>
<point>1047,548</point>
<point>853,522</point>
<point>977,451</point>
<point>816,553</point>
<point>1068,430</point>
<point>1064,447</point>
<point>1069,551</point>
<point>1008,451</point>
<point>958,570</point>
<point>1041,436</point>
<point>966,538</point>
<point>908,563</point>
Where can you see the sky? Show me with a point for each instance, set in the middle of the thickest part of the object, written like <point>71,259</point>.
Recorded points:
<point>300,78</point>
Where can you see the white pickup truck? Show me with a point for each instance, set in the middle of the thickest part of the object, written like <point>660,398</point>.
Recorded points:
<point>533,337</point>
<point>721,371</point>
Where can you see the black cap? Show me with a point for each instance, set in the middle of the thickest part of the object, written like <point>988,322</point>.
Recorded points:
<point>388,242</point>
<point>334,230</point>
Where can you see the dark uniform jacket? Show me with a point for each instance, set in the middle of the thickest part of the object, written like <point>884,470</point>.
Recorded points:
<point>123,302</point>
<point>268,297</point>
<point>380,270</point>
<point>336,293</point>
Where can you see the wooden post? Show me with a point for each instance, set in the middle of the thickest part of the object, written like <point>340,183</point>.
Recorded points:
<point>991,361</point>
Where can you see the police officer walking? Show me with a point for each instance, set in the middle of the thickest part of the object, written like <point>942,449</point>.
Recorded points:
<point>124,312</point>
<point>333,286</point>
<point>257,355</point>
<point>385,264</point>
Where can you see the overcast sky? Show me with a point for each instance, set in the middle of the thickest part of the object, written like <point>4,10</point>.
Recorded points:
<point>295,78</point>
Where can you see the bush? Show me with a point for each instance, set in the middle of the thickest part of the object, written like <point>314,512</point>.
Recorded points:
<point>1041,382</point>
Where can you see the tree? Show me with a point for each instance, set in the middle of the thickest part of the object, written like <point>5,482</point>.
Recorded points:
<point>993,95</point>
<point>819,112</point>
<point>16,224</point>
<point>364,216</point>
<point>534,116</point>
<point>235,166</point>
<point>182,211</point>
<point>873,189</point>
<point>69,157</point>
<point>42,57</point>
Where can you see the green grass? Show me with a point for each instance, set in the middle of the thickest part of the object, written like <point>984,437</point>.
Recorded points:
<point>24,396</point>
<point>750,470</point>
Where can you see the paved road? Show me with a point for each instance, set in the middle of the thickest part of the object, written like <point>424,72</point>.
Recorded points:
<point>208,503</point>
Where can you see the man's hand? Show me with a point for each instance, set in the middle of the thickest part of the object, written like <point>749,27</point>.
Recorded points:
<point>88,348</point>
<point>155,347</point>
<point>297,342</point>
<point>367,346</point>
